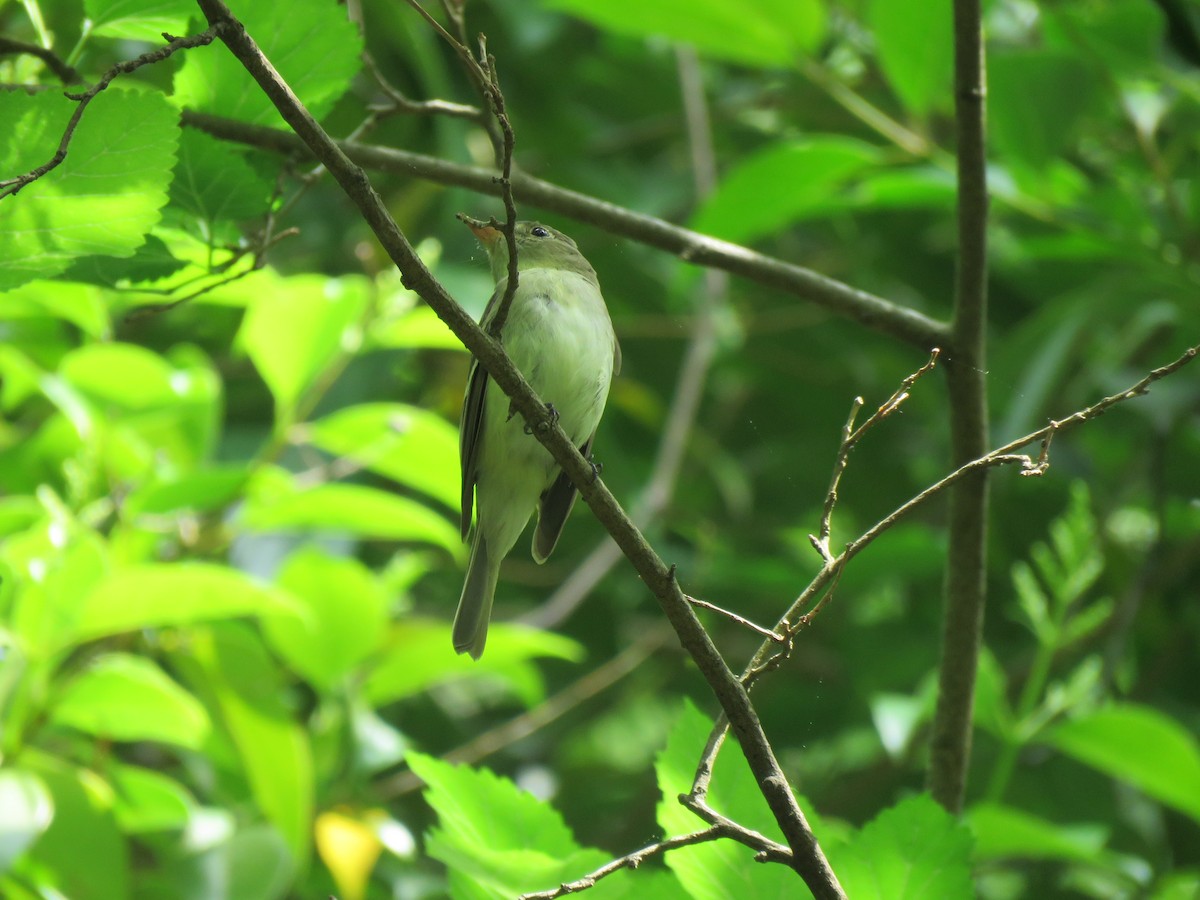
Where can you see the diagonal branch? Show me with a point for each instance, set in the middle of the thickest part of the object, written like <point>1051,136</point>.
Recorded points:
<point>807,857</point>
<point>841,299</point>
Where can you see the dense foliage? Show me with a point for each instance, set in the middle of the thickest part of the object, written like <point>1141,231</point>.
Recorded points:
<point>229,549</point>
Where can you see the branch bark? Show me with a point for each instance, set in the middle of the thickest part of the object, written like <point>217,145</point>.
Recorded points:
<point>841,299</point>
<point>966,564</point>
<point>807,858</point>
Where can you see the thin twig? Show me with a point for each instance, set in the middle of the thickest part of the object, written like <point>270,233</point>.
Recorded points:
<point>402,104</point>
<point>741,620</point>
<point>629,861</point>
<point>850,438</point>
<point>483,73</point>
<point>11,186</point>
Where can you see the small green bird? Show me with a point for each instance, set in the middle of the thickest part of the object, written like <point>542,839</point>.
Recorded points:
<point>560,337</point>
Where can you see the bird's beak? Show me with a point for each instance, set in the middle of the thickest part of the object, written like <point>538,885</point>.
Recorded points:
<point>487,234</point>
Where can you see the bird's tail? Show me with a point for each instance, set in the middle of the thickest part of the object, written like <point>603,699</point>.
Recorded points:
<point>475,604</point>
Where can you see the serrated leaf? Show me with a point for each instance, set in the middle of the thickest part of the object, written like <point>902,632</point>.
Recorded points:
<point>1140,746</point>
<point>128,698</point>
<point>405,443</point>
<point>717,870</point>
<point>911,851</point>
<point>144,20</point>
<point>215,183</point>
<point>499,841</point>
<point>105,196</point>
<point>312,43</point>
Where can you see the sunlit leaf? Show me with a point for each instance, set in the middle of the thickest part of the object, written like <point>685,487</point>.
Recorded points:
<point>314,45</point>
<point>128,698</point>
<point>105,196</point>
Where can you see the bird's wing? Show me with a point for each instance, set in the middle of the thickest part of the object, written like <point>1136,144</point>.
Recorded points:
<point>470,425</point>
<point>553,508</point>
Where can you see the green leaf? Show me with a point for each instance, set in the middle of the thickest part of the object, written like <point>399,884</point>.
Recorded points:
<point>215,183</point>
<point>105,196</point>
<point>1028,124</point>
<point>346,616</point>
<point>915,47</point>
<point>144,20</point>
<point>82,847</point>
<point>313,45</point>
<point>78,304</point>
<point>769,33</point>
<point>203,490</point>
<point>913,850</point>
<point>150,262</point>
<point>26,811</point>
<point>128,698</point>
<point>717,870</point>
<point>274,751</point>
<point>1140,746</point>
<point>162,594</point>
<point>353,508</point>
<point>295,329</point>
<point>405,443</point>
<point>495,836</point>
<point>417,329</point>
<point>59,562</point>
<point>783,183</point>
<point>1002,832</point>
<point>419,654</point>
<point>148,801</point>
<point>121,375</point>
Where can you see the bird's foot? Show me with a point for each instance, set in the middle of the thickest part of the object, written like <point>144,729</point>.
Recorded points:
<point>544,426</point>
<point>597,467</point>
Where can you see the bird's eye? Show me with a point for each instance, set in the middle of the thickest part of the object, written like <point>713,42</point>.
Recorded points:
<point>539,231</point>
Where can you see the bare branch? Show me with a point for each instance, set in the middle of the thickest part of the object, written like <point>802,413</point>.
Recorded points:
<point>734,617</point>
<point>629,861</point>
<point>66,74</point>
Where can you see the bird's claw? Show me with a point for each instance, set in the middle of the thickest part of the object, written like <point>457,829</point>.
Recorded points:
<point>544,427</point>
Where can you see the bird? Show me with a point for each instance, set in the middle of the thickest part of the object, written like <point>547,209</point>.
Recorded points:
<point>559,335</point>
